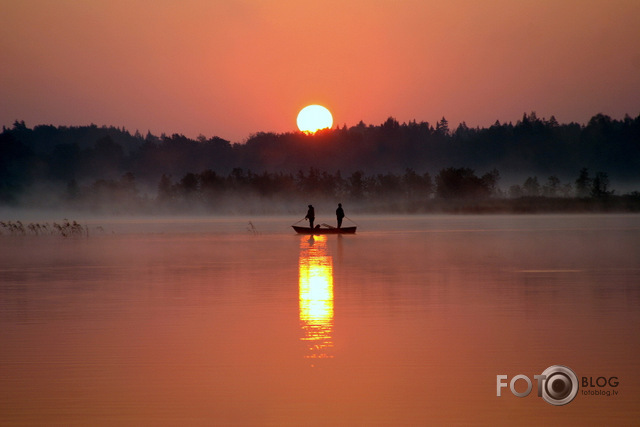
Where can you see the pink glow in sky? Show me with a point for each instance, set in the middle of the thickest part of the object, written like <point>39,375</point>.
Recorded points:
<point>232,68</point>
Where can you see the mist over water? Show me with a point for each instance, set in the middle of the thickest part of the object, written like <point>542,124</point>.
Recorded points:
<point>239,321</point>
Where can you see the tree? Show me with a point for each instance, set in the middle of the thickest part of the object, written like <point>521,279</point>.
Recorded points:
<point>442,127</point>
<point>583,183</point>
<point>210,181</point>
<point>390,125</point>
<point>165,191</point>
<point>600,186</point>
<point>531,187</point>
<point>64,162</point>
<point>105,159</point>
<point>356,184</point>
<point>188,185</point>
<point>515,191</point>
<point>454,183</point>
<point>550,189</point>
<point>462,132</point>
<point>128,184</point>
<point>15,160</point>
<point>490,180</point>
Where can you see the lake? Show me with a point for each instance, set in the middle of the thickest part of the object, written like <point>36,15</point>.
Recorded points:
<point>241,322</point>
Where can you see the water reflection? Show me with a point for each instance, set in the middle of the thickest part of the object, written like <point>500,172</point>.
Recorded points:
<point>316,296</point>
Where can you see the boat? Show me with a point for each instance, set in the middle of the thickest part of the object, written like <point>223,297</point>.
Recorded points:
<point>324,230</point>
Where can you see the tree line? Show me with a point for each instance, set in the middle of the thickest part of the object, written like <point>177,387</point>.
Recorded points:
<point>457,189</point>
<point>360,162</point>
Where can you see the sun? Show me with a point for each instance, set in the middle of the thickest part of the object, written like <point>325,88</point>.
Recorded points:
<point>313,118</point>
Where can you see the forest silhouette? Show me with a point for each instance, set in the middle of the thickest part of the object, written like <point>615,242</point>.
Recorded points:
<point>532,165</point>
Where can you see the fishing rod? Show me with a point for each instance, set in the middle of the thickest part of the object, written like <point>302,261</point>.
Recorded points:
<point>298,221</point>
<point>351,220</point>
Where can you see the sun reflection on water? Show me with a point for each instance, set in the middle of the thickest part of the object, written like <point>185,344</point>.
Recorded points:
<point>316,296</point>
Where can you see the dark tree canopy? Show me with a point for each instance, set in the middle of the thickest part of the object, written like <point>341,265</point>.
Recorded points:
<point>358,161</point>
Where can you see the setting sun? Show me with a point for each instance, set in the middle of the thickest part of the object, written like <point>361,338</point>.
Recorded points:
<point>313,118</point>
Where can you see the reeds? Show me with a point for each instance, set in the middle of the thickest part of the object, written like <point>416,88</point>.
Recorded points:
<point>64,229</point>
<point>252,229</point>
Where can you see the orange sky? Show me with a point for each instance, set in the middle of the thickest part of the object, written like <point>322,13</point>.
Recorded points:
<point>232,68</point>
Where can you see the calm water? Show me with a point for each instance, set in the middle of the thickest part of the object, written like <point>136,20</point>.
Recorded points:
<point>203,322</point>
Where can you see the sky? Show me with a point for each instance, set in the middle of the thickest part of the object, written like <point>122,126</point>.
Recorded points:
<point>233,68</point>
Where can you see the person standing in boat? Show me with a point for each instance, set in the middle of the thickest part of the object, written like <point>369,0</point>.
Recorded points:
<point>339,214</point>
<point>311,216</point>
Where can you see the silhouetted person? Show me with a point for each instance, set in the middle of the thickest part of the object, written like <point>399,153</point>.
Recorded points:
<point>311,215</point>
<point>339,214</point>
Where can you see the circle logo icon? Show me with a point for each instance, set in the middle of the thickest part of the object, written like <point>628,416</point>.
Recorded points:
<point>560,385</point>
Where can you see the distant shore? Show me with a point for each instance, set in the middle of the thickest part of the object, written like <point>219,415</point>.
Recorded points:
<point>540,204</point>
<point>261,206</point>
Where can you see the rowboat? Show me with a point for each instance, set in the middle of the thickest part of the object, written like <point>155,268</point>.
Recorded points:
<point>324,230</point>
